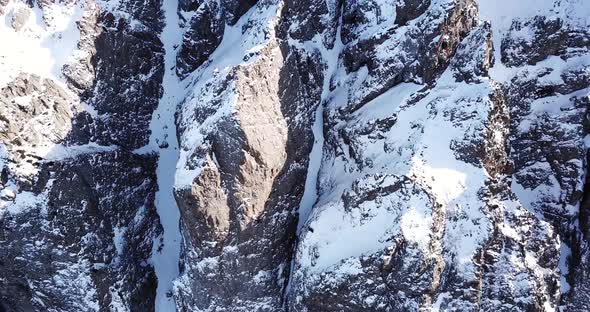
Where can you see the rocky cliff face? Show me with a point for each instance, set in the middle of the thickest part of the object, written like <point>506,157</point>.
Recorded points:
<point>282,155</point>
<point>78,221</point>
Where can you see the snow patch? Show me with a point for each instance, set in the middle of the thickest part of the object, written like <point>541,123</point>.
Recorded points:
<point>47,41</point>
<point>565,253</point>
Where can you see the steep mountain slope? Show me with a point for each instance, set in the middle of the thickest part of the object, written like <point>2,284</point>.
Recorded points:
<point>79,84</point>
<point>294,155</point>
<point>437,192</point>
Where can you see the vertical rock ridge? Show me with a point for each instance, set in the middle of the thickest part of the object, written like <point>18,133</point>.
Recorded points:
<point>250,169</point>
<point>79,220</point>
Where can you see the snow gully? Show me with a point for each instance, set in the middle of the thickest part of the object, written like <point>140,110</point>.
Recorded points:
<point>165,258</point>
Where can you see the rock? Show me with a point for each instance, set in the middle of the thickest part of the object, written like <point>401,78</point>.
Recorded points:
<point>535,39</point>
<point>206,29</point>
<point>80,72</point>
<point>240,212</point>
<point>412,53</point>
<point>79,233</point>
<point>20,18</point>
<point>34,112</point>
<point>474,56</point>
<point>305,19</point>
<point>204,35</point>
<point>407,10</point>
<point>546,146</point>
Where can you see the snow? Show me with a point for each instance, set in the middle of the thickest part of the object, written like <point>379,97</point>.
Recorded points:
<point>49,151</point>
<point>380,107</point>
<point>166,260</point>
<point>3,155</point>
<point>341,234</point>
<point>118,239</point>
<point>564,270</point>
<point>421,136</point>
<point>417,146</point>
<point>22,101</point>
<point>439,300</point>
<point>453,183</point>
<point>310,193</point>
<point>21,201</point>
<point>47,41</point>
<point>375,21</point>
<point>501,14</point>
<point>337,234</point>
<point>415,225</point>
<point>42,46</point>
<point>59,151</point>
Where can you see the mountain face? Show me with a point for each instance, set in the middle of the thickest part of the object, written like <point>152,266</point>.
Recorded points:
<point>294,155</point>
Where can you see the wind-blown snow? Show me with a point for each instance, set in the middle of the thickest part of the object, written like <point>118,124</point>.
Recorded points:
<point>166,259</point>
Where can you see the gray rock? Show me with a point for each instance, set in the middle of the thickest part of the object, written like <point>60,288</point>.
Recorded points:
<point>548,36</point>
<point>19,18</point>
<point>240,214</point>
<point>79,234</point>
<point>205,30</point>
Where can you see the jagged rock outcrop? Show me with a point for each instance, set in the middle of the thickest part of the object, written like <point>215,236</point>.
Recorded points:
<point>205,29</point>
<point>77,216</point>
<point>247,169</point>
<point>548,101</point>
